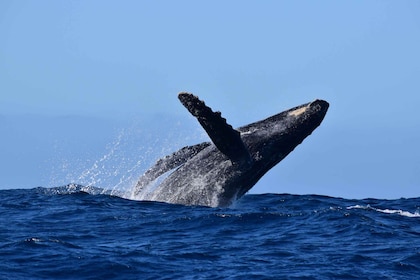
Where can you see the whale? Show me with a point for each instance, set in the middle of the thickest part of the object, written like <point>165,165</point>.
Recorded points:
<point>219,172</point>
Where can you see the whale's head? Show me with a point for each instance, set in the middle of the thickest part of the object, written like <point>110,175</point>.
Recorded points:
<point>272,139</point>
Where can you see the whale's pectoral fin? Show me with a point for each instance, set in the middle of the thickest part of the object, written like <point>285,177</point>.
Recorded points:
<point>168,163</point>
<point>226,139</point>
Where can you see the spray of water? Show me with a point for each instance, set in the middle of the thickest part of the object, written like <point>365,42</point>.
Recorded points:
<point>127,157</point>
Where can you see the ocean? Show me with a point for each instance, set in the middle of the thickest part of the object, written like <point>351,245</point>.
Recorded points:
<point>73,232</point>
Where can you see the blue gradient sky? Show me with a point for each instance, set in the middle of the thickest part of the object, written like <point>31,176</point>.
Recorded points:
<point>248,59</point>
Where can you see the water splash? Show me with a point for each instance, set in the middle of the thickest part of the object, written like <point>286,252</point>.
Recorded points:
<point>92,175</point>
<point>132,151</point>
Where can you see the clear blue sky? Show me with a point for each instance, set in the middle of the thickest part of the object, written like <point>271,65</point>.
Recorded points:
<point>248,59</point>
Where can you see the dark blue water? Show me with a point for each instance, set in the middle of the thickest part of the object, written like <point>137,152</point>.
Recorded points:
<point>67,233</point>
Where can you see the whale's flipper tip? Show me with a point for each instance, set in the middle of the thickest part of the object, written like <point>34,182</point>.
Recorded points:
<point>223,135</point>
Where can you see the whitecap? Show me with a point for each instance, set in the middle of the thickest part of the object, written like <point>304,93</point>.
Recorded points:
<point>387,211</point>
<point>399,212</point>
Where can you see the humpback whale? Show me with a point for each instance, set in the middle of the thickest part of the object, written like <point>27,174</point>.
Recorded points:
<point>219,172</point>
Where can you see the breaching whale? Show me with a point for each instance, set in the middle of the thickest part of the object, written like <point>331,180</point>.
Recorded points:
<point>217,173</point>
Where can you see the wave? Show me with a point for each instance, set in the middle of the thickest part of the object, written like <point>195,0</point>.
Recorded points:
<point>91,231</point>
<point>387,211</point>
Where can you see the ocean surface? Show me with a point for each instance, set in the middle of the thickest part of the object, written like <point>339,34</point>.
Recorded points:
<point>73,232</point>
